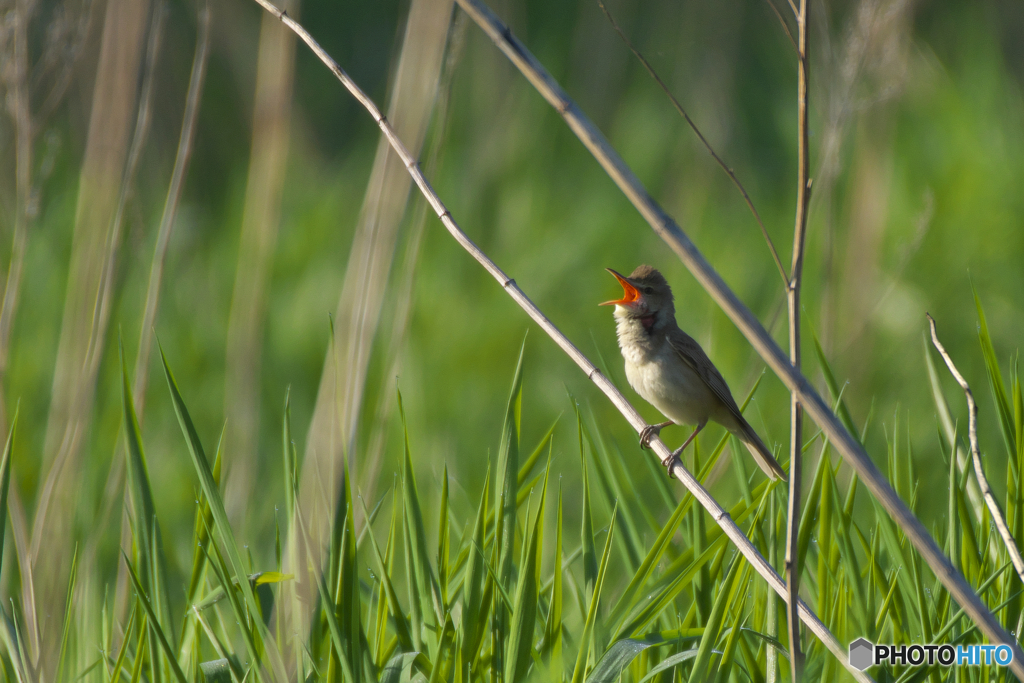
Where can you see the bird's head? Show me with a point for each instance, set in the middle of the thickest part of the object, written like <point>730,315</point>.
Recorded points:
<point>645,296</point>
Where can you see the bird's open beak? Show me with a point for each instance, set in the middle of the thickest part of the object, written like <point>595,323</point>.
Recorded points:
<point>630,294</point>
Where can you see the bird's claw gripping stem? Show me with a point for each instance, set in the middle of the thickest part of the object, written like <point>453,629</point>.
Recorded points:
<point>651,431</point>
<point>670,462</point>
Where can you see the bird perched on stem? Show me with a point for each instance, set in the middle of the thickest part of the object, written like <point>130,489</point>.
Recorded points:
<point>671,371</point>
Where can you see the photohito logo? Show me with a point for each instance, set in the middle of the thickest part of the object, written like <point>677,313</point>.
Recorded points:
<point>864,653</point>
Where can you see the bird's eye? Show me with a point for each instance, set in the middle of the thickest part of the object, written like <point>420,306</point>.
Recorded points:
<point>648,290</point>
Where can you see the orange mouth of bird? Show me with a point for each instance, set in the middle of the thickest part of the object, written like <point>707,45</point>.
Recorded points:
<point>630,294</point>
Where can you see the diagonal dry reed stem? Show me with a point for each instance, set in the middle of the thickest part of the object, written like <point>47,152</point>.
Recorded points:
<point>979,472</point>
<point>748,324</point>
<point>785,26</point>
<point>634,418</point>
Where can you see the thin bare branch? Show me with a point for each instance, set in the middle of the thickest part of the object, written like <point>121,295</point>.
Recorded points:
<point>707,145</point>
<point>785,26</point>
<point>748,324</point>
<point>979,472</point>
<point>720,516</point>
<point>796,415</point>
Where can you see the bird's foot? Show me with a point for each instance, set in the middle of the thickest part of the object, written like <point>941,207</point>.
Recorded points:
<point>671,461</point>
<point>651,431</point>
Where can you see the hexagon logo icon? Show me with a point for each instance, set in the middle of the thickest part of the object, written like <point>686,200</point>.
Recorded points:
<point>862,654</point>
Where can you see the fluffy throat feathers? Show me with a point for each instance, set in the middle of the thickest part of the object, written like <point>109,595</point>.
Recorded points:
<point>648,322</point>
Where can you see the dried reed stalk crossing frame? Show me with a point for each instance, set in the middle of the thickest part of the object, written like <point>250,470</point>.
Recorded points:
<point>986,491</point>
<point>748,324</point>
<point>720,516</point>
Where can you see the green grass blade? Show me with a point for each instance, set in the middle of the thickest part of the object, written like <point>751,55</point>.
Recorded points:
<point>611,484</point>
<point>402,628</point>
<point>399,668</point>
<point>732,640</point>
<point>445,656</point>
<point>150,557</point>
<point>713,629</point>
<point>587,542</point>
<point>200,537</point>
<point>531,460</point>
<point>424,589</point>
<point>154,625</point>
<point>334,628</point>
<point>475,581</point>
<point>115,672</point>
<point>553,625</point>
<point>443,541</point>
<point>220,516</point>
<point>810,510</point>
<point>5,478</point>
<point>824,505</point>
<point>140,648</point>
<point>615,660</point>
<point>241,616</point>
<point>380,629</point>
<point>289,458</point>
<point>833,388</point>
<point>505,499</point>
<point>65,634</point>
<point>999,394</point>
<point>586,638</point>
<point>669,663</point>
<point>639,580</point>
<point>524,605</point>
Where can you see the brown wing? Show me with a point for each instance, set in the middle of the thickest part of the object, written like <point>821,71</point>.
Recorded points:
<point>693,355</point>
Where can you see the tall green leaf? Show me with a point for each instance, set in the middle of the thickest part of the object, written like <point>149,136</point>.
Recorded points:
<point>220,517</point>
<point>424,592</point>
<point>586,638</point>
<point>475,581</point>
<point>713,629</point>
<point>553,624</point>
<point>5,478</point>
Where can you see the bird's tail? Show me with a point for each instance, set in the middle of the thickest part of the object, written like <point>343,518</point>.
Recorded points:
<point>762,456</point>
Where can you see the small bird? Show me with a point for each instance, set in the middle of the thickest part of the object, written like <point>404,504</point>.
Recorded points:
<point>671,371</point>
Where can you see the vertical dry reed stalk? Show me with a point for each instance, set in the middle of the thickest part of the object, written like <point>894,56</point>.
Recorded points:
<point>110,126</point>
<point>19,104</point>
<point>332,431</point>
<point>720,516</point>
<point>113,491</point>
<point>403,289</point>
<point>261,218</point>
<point>796,417</point>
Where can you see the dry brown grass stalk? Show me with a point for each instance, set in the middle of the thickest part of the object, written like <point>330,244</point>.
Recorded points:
<point>998,518</point>
<point>113,492</point>
<point>336,416</point>
<point>365,292</point>
<point>747,323</point>
<point>261,217</point>
<point>102,174</point>
<point>796,417</point>
<point>374,451</point>
<point>720,516</point>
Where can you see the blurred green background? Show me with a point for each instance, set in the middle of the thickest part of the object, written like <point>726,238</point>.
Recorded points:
<point>917,149</point>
